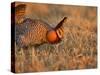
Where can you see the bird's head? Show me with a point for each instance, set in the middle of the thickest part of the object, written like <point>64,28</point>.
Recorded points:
<point>56,35</point>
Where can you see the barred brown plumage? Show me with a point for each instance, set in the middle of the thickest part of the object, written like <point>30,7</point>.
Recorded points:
<point>37,32</point>
<point>20,13</point>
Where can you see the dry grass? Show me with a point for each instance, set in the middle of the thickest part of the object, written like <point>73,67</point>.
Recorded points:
<point>78,49</point>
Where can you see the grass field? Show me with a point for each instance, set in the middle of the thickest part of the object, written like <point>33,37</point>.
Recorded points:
<point>78,49</point>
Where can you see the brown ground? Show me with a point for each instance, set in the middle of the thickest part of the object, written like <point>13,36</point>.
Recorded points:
<point>78,50</point>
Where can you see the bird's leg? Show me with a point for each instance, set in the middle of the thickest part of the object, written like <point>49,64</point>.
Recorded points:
<point>28,60</point>
<point>56,48</point>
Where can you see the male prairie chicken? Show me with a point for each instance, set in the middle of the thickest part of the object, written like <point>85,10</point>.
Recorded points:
<point>34,32</point>
<point>37,32</point>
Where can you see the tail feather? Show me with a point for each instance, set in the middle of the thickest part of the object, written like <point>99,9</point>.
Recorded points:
<point>20,7</point>
<point>20,13</point>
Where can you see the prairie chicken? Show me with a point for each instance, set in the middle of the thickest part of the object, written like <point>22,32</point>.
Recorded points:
<point>33,32</point>
<point>37,32</point>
